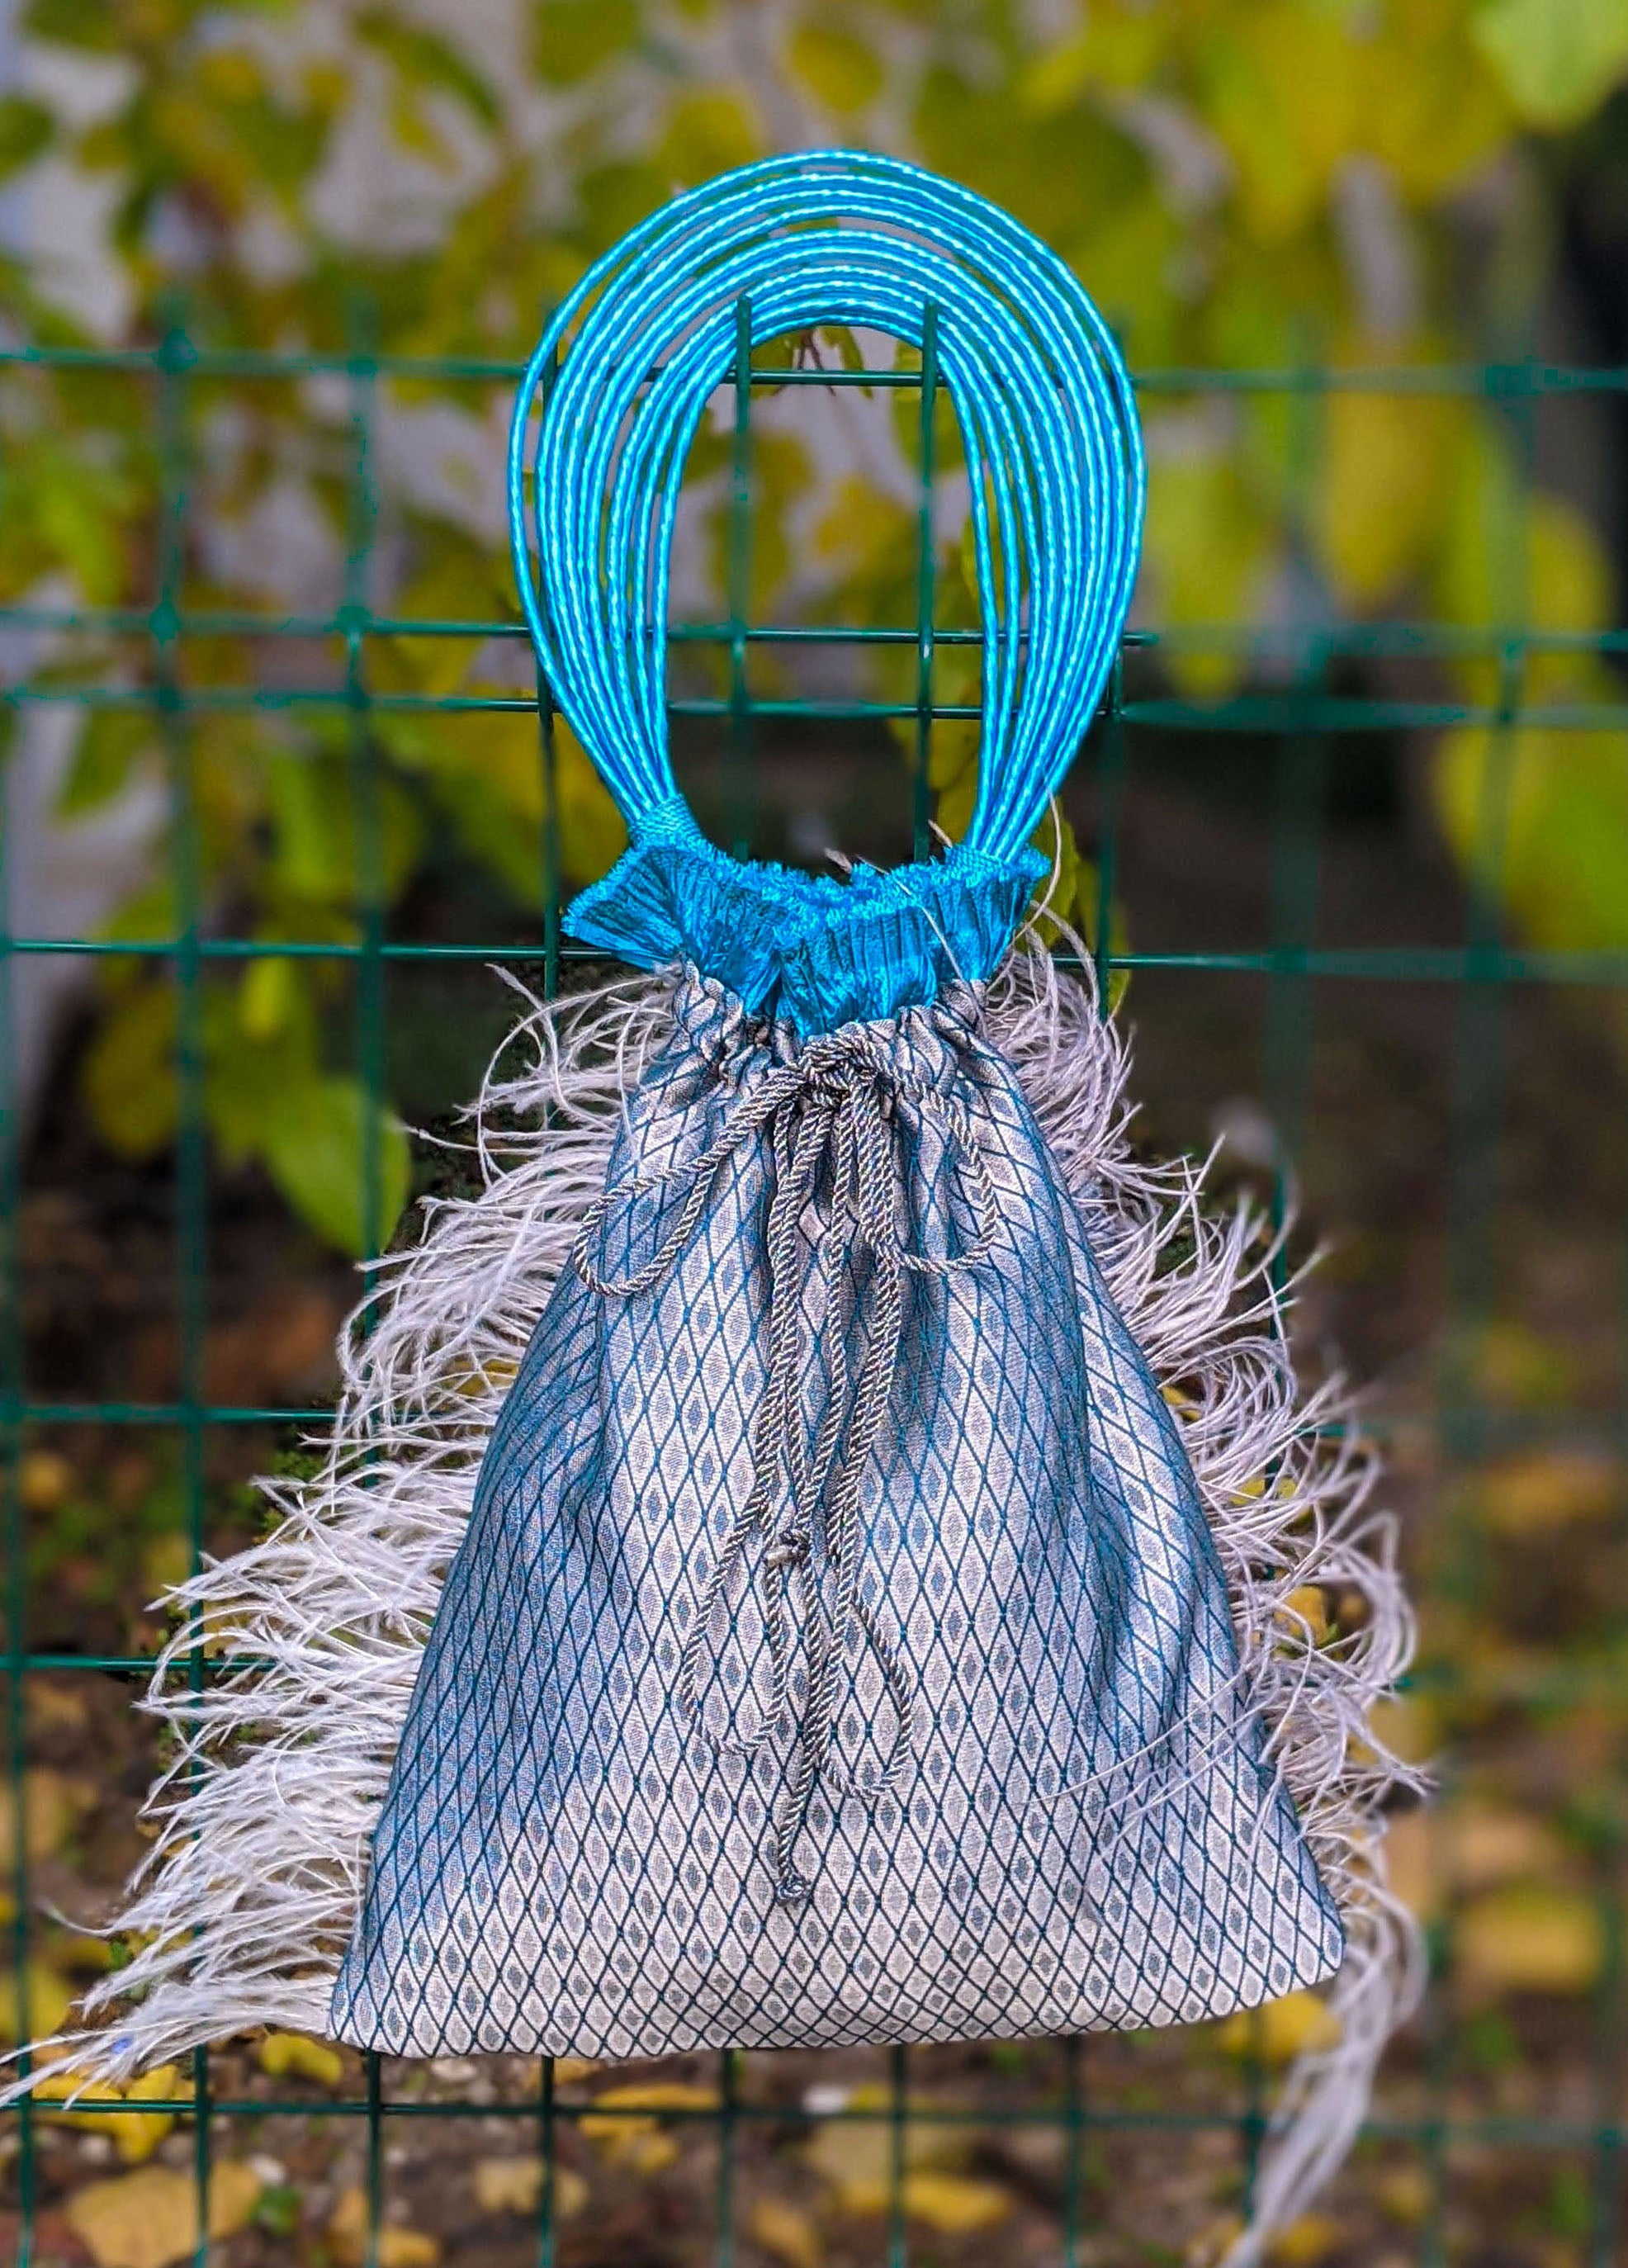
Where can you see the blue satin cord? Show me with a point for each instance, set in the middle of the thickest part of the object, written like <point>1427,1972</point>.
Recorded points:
<point>597,452</point>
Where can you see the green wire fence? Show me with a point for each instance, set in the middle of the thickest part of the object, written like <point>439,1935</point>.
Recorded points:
<point>1302,718</point>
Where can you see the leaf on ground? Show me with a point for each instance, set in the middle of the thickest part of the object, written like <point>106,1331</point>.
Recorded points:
<point>657,2094</point>
<point>1541,1489</point>
<point>290,2055</point>
<point>514,2185</point>
<point>786,2233</point>
<point>856,2155</point>
<point>45,1480</point>
<point>955,2204</point>
<point>81,1957</point>
<point>1305,2242</point>
<point>140,2133</point>
<point>1410,1863</point>
<point>53,1805</point>
<point>151,2219</point>
<point>1492,1843</point>
<point>1405,2195</point>
<point>398,2247</point>
<point>135,2135</point>
<point>631,2138</point>
<point>1527,1939</point>
<point>49,2003</point>
<point>1280,2031</point>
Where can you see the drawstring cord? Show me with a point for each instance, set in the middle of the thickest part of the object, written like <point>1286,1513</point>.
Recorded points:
<point>839,1102</point>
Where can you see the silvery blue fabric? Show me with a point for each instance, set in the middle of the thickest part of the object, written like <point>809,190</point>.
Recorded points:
<point>617,1825</point>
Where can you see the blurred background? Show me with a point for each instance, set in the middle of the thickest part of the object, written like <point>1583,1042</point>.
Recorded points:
<point>280,796</point>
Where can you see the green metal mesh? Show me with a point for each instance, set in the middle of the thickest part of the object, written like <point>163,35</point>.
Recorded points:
<point>1304,984</point>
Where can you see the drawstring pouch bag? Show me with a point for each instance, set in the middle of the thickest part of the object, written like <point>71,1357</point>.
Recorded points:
<point>827,1547</point>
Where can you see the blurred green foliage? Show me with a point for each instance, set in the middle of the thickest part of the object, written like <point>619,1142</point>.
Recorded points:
<point>1240,183</point>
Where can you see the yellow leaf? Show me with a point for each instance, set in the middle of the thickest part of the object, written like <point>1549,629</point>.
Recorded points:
<point>151,2219</point>
<point>265,997</point>
<point>1305,2242</point>
<point>90,1956</point>
<point>1277,2032</point>
<point>52,1805</point>
<point>1519,1368</point>
<point>1410,1863</point>
<point>128,1073</point>
<point>165,1562</point>
<point>952,2204</point>
<point>229,75</point>
<point>1529,1939</point>
<point>1490,1842</point>
<point>514,2185</point>
<point>843,71</point>
<point>636,2141</point>
<point>398,2247</point>
<point>1514,560</point>
<point>1555,852</point>
<point>1556,58</point>
<point>1384,474</point>
<point>64,2082</point>
<point>1205,550</point>
<point>856,2155</point>
<point>45,1480</point>
<point>952,751</point>
<point>1305,1610</point>
<point>1433,107</point>
<point>137,2135</point>
<point>786,2233</point>
<point>1405,2194</point>
<point>1281,91</point>
<point>708,132</point>
<point>573,38</point>
<point>593,833</point>
<point>1540,1491</point>
<point>1406,1725</point>
<point>1120,47</point>
<point>653,2094</point>
<point>862,532</point>
<point>284,2055</point>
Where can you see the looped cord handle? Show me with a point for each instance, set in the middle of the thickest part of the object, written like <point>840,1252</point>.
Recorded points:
<point>1054,457</point>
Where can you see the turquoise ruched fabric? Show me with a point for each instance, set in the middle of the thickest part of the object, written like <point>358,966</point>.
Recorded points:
<point>809,950</point>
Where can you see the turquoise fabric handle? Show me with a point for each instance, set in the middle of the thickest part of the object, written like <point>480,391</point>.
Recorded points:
<point>598,446</point>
